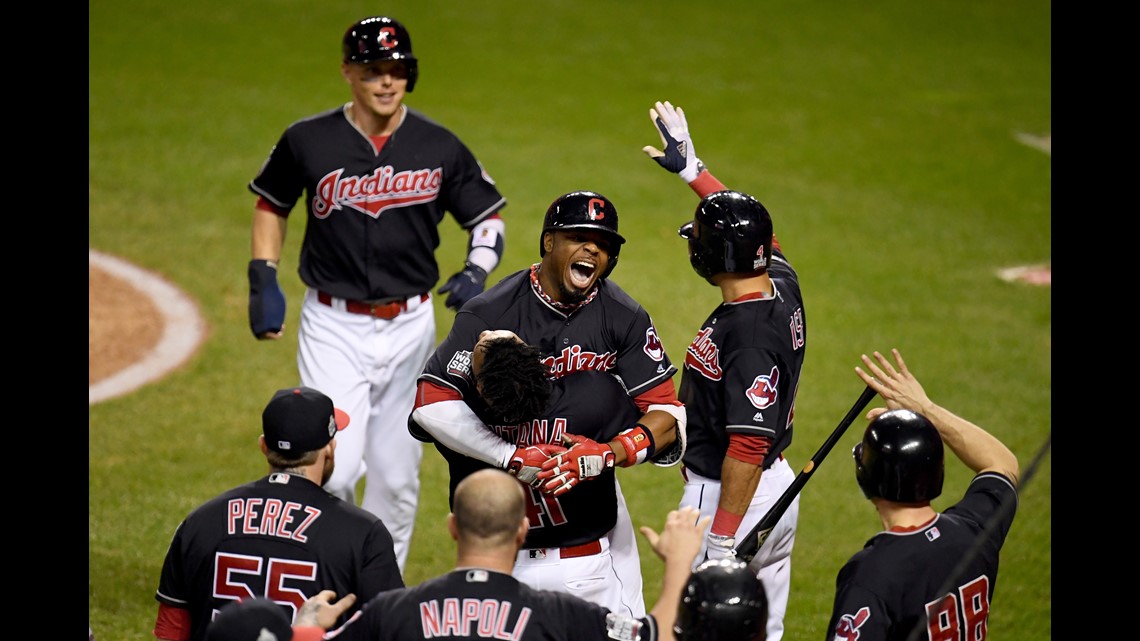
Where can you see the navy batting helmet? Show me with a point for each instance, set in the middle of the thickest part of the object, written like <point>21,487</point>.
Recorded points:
<point>381,38</point>
<point>900,458</point>
<point>723,601</point>
<point>584,210</point>
<point>730,232</point>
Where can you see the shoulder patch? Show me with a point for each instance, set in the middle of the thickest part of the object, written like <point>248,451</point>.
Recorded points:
<point>848,627</point>
<point>622,627</point>
<point>653,347</point>
<point>460,365</point>
<point>763,392</point>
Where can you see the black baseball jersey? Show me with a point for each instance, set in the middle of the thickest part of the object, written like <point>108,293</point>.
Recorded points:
<point>609,333</point>
<point>372,227</point>
<point>593,404</point>
<point>472,603</point>
<point>742,372</point>
<point>281,537</point>
<point>896,578</point>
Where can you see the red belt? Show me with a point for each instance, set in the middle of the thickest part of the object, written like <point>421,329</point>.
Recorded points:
<point>385,311</point>
<point>586,549</point>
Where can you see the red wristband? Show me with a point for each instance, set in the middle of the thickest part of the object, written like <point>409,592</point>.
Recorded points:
<point>726,523</point>
<point>637,442</point>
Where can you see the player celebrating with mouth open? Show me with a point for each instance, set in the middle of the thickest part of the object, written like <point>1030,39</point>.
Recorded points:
<point>579,320</point>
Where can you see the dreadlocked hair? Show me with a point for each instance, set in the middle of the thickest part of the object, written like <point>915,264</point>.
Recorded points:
<point>514,381</point>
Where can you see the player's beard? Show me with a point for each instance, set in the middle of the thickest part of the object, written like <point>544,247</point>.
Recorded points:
<point>572,296</point>
<point>326,473</point>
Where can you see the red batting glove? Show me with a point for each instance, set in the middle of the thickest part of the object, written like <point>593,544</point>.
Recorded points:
<point>527,461</point>
<point>586,459</point>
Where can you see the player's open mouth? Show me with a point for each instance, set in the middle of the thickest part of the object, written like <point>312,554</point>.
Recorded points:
<point>581,273</point>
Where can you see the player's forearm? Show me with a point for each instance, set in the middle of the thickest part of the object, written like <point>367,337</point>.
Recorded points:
<point>268,235</point>
<point>661,428</point>
<point>738,481</point>
<point>673,582</point>
<point>457,428</point>
<point>977,448</point>
<point>706,183</point>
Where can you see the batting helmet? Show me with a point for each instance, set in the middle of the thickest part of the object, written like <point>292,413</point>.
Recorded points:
<point>381,38</point>
<point>584,210</point>
<point>900,458</point>
<point>723,601</point>
<point>730,232</point>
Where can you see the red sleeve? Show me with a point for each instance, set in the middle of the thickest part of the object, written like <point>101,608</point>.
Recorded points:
<point>428,393</point>
<point>748,448</point>
<point>265,205</point>
<point>307,633</point>
<point>172,623</point>
<point>706,183</point>
<point>663,394</point>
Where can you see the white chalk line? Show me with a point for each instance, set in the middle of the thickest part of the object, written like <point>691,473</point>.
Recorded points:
<point>182,332</point>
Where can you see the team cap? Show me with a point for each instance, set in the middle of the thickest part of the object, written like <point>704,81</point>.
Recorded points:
<point>300,419</point>
<point>256,619</point>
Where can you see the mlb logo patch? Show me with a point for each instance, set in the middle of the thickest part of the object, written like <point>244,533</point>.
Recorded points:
<point>933,534</point>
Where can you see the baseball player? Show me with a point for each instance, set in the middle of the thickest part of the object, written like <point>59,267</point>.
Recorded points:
<point>377,178</point>
<point>579,320</point>
<point>567,547</point>
<point>282,536</point>
<point>259,619</point>
<point>927,575</point>
<point>742,370</point>
<point>481,600</point>
<point>723,601</point>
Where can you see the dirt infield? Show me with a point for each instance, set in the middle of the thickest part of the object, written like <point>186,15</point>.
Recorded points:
<point>140,327</point>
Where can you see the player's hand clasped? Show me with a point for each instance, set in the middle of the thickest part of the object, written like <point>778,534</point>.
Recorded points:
<point>464,285</point>
<point>527,462</point>
<point>677,154</point>
<point>585,460</point>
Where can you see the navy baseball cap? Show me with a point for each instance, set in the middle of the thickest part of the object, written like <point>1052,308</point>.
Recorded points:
<point>300,419</point>
<point>257,619</point>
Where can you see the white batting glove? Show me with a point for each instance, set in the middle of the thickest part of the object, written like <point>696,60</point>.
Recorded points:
<point>718,546</point>
<point>677,153</point>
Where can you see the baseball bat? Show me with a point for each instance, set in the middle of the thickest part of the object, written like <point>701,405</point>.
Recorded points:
<point>748,546</point>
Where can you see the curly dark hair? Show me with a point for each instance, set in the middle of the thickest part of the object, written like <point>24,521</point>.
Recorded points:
<point>514,381</point>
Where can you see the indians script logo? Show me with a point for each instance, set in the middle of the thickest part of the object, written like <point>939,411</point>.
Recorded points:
<point>703,355</point>
<point>848,627</point>
<point>384,188</point>
<point>653,346</point>
<point>762,394</point>
<point>575,359</point>
<point>597,209</point>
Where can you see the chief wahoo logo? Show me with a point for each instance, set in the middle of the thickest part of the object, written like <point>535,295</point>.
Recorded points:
<point>762,394</point>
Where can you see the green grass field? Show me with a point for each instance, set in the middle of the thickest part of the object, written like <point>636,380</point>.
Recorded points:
<point>881,136</point>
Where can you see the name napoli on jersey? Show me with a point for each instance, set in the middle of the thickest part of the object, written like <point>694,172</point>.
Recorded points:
<point>468,618</point>
<point>383,189</point>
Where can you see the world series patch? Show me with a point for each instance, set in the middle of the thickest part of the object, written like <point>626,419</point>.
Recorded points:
<point>460,365</point>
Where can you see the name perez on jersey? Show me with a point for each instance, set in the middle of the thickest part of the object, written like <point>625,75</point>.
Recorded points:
<point>270,517</point>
